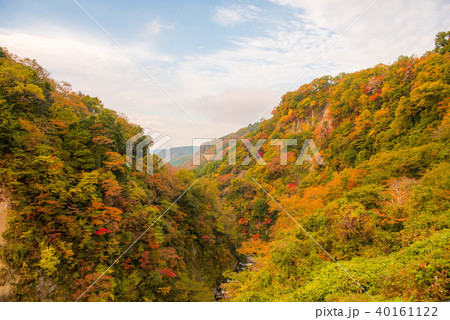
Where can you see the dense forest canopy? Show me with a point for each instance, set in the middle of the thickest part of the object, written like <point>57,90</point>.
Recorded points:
<point>379,206</point>
<point>76,206</point>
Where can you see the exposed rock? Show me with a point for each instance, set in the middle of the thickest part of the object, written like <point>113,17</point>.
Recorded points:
<point>7,279</point>
<point>7,282</point>
<point>4,205</point>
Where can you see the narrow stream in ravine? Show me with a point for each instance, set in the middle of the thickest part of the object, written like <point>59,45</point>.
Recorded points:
<point>219,293</point>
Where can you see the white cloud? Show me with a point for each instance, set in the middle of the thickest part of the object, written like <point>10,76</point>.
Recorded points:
<point>97,66</point>
<point>305,44</point>
<point>396,16</point>
<point>235,14</point>
<point>232,86</point>
<point>181,130</point>
<point>154,27</point>
<point>236,106</point>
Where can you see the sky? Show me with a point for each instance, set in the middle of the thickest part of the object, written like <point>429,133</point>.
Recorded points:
<point>203,69</point>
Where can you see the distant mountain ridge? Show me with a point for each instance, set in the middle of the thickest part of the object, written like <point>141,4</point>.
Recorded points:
<point>178,155</point>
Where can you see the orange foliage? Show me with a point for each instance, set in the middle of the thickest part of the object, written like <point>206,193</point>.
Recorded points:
<point>115,161</point>
<point>102,214</point>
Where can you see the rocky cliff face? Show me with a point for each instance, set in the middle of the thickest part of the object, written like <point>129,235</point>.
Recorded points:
<point>7,282</point>
<point>7,279</point>
<point>3,210</point>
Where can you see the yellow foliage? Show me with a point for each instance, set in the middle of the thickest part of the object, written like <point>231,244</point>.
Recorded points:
<point>49,260</point>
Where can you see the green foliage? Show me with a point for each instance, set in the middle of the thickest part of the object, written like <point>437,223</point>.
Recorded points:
<point>442,42</point>
<point>368,195</point>
<point>261,209</point>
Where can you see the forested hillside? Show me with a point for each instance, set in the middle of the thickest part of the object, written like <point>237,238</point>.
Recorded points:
<point>372,223</point>
<point>380,204</point>
<point>75,206</point>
